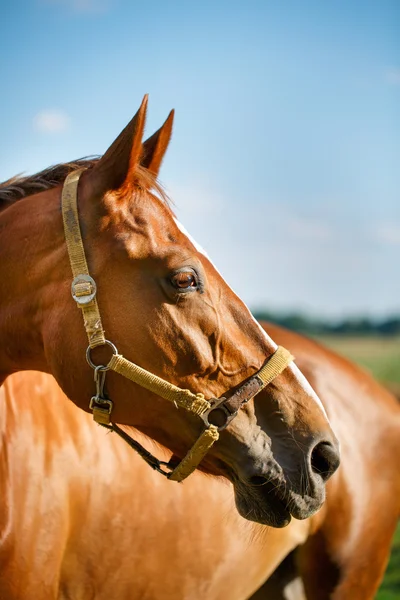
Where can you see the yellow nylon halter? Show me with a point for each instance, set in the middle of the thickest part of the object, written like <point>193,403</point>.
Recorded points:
<point>83,291</point>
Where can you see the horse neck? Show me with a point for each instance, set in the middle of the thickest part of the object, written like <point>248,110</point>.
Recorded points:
<point>32,253</point>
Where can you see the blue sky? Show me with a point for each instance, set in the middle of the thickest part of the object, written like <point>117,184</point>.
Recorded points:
<point>285,156</point>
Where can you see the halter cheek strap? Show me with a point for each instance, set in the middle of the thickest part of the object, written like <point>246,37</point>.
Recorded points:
<point>221,410</point>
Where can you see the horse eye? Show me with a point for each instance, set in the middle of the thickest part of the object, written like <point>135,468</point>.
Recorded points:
<point>184,281</point>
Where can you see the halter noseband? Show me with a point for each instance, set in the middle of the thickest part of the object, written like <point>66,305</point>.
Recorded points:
<point>216,413</point>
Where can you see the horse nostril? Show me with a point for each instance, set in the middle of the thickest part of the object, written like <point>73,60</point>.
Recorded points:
<point>258,480</point>
<point>324,460</point>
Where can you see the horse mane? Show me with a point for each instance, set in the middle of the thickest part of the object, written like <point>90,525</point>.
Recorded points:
<point>19,186</point>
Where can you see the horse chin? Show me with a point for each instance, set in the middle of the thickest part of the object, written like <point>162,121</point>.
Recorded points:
<point>267,505</point>
<point>255,505</point>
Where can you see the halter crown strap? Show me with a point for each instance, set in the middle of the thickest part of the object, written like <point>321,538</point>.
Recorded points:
<point>84,291</point>
<point>83,287</point>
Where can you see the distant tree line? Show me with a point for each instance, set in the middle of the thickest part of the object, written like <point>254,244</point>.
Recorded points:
<point>349,326</point>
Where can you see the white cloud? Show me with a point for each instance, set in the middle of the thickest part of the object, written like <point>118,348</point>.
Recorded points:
<point>51,121</point>
<point>392,75</point>
<point>388,234</point>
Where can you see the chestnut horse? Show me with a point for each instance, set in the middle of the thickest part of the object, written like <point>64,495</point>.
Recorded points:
<point>87,518</point>
<point>165,307</point>
<point>64,532</point>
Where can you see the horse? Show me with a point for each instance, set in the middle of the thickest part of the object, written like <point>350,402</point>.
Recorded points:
<point>84,517</point>
<point>203,379</point>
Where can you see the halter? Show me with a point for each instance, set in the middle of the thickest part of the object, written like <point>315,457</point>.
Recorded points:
<point>216,413</point>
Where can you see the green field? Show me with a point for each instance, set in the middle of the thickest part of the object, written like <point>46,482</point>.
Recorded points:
<point>381,356</point>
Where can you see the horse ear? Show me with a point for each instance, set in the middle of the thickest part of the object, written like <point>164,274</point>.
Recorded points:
<point>155,147</point>
<point>117,166</point>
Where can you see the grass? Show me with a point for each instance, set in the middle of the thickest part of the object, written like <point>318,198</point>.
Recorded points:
<point>390,588</point>
<point>381,356</point>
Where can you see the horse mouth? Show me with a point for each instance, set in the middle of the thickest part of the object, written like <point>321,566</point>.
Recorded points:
<point>270,499</point>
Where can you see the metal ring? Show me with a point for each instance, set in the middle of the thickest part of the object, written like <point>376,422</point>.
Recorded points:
<point>222,408</point>
<point>100,367</point>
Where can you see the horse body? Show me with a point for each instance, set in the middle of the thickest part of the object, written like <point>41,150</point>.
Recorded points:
<point>84,517</point>
<point>349,545</point>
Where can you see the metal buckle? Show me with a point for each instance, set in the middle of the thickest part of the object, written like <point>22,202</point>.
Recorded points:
<point>101,413</point>
<point>83,296</point>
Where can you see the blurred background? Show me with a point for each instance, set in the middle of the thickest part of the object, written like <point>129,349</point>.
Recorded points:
<point>284,162</point>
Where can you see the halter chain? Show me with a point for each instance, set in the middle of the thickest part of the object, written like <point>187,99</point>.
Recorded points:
<point>84,289</point>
